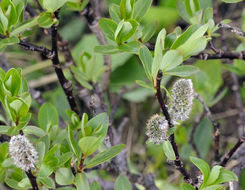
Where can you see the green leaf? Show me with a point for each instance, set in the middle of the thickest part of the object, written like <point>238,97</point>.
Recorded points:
<point>24,183</point>
<point>140,9</point>
<point>3,21</point>
<point>4,129</point>
<point>183,71</point>
<point>89,145</point>
<point>64,176</point>
<point>170,60</point>
<point>49,158</point>
<point>208,14</point>
<point>47,116</point>
<point>213,187</point>
<point>106,49</point>
<point>45,20</point>
<point>202,166</point>
<point>105,155</point>
<point>72,142</point>
<point>144,84</point>
<point>29,24</point>
<point>12,16</point>
<point>232,1</point>
<point>52,5</point>
<point>81,181</point>
<point>45,170</point>
<point>12,183</point>
<point>95,186</point>
<point>114,11</point>
<point>33,130</point>
<point>125,30</point>
<point>108,26</point>
<point>214,174</point>
<point>203,137</point>
<point>148,31</point>
<point>126,8</point>
<point>101,122</point>
<point>146,59</point>
<point>199,32</point>
<point>47,181</point>
<point>226,176</point>
<point>168,150</point>
<point>186,186</point>
<point>8,41</point>
<point>185,36</point>
<point>12,81</point>
<point>188,7</point>
<point>77,5</point>
<point>130,47</point>
<point>193,47</point>
<point>40,147</point>
<point>158,53</point>
<point>17,108</point>
<point>122,183</point>
<point>2,74</point>
<point>64,158</point>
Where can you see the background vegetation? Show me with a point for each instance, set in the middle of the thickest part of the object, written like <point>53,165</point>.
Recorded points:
<point>112,79</point>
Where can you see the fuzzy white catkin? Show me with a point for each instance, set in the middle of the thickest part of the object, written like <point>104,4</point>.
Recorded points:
<point>182,98</point>
<point>157,129</point>
<point>22,152</point>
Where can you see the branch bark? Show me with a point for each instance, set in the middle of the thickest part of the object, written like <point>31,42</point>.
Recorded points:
<point>65,84</point>
<point>32,179</point>
<point>92,15</point>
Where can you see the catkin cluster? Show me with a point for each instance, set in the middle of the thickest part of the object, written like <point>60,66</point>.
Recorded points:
<point>180,107</point>
<point>182,98</point>
<point>22,152</point>
<point>157,129</point>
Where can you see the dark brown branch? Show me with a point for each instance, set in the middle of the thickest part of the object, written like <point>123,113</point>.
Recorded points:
<point>215,124</point>
<point>240,141</point>
<point>28,46</point>
<point>92,14</point>
<point>238,104</point>
<point>32,179</point>
<point>221,55</point>
<point>65,84</point>
<point>233,29</point>
<point>64,48</point>
<point>178,163</point>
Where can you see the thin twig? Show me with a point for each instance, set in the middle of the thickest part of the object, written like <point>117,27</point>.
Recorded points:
<point>215,124</point>
<point>238,103</point>
<point>221,55</point>
<point>191,139</point>
<point>31,47</point>
<point>233,29</point>
<point>92,14</point>
<point>178,163</point>
<point>65,84</point>
<point>32,179</point>
<point>240,141</point>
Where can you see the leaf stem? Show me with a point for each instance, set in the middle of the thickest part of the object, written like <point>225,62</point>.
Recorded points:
<point>80,167</point>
